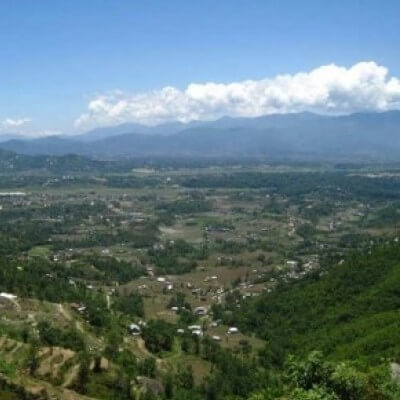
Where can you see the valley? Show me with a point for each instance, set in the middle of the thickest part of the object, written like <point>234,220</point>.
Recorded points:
<point>131,283</point>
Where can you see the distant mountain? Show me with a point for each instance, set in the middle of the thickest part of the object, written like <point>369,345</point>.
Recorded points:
<point>361,136</point>
<point>5,137</point>
<point>51,145</point>
<point>130,128</point>
<point>269,121</point>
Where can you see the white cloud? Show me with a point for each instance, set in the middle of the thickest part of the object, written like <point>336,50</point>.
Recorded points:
<point>366,86</point>
<point>14,123</point>
<point>23,127</point>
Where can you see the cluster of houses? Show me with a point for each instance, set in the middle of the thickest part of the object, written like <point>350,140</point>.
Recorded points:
<point>198,331</point>
<point>135,329</point>
<point>292,270</point>
<point>166,283</point>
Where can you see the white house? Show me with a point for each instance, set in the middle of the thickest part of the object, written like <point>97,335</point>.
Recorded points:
<point>135,329</point>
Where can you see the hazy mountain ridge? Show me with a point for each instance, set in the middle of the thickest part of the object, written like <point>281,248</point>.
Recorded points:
<point>370,135</point>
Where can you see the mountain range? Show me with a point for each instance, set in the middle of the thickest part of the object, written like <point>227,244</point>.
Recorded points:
<point>359,136</point>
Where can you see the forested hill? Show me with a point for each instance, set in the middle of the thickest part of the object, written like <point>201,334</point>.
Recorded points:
<point>11,162</point>
<point>352,312</point>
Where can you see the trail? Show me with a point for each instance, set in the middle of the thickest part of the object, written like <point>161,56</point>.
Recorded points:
<point>142,347</point>
<point>67,315</point>
<point>70,375</point>
<point>64,312</point>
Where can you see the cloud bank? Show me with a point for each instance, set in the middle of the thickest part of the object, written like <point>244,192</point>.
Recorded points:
<point>332,89</point>
<point>10,123</point>
<point>22,127</point>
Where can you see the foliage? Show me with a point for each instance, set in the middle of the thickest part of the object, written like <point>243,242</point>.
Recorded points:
<point>158,335</point>
<point>131,304</point>
<point>51,336</point>
<point>351,312</point>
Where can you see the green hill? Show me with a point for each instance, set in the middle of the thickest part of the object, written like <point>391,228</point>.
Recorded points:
<point>351,312</point>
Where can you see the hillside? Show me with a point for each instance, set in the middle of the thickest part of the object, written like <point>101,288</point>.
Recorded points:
<point>350,312</point>
<point>11,163</point>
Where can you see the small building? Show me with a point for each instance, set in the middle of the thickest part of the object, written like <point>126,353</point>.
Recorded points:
<point>194,327</point>
<point>135,329</point>
<point>8,296</point>
<point>233,330</point>
<point>292,263</point>
<point>79,308</point>
<point>200,311</point>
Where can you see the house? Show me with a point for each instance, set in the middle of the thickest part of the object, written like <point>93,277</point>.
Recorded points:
<point>79,308</point>
<point>8,296</point>
<point>135,329</point>
<point>200,311</point>
<point>8,300</point>
<point>291,263</point>
<point>194,327</point>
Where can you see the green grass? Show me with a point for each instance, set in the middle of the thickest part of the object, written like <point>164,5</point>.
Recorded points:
<point>39,251</point>
<point>7,368</point>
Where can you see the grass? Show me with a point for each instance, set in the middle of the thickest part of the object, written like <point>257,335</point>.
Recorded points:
<point>39,251</point>
<point>180,360</point>
<point>7,368</point>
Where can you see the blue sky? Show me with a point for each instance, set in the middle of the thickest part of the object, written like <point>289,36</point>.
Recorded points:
<point>58,57</point>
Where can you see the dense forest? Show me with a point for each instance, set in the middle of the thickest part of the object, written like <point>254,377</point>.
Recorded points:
<point>349,312</point>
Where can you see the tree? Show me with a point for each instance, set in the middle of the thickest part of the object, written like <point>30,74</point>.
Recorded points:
<point>158,335</point>
<point>32,359</point>
<point>147,367</point>
<point>82,378</point>
<point>185,377</point>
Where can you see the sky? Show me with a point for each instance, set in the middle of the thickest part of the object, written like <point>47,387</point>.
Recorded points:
<point>69,66</point>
